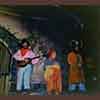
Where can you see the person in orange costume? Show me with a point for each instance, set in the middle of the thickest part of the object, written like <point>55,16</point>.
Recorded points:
<point>76,73</point>
<point>52,74</point>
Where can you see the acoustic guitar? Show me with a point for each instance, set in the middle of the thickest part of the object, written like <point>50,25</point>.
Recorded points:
<point>23,63</point>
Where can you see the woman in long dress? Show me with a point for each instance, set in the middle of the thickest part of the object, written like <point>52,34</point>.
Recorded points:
<point>52,74</point>
<point>76,73</point>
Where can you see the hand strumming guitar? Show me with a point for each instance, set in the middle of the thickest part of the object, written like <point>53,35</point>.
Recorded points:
<point>27,60</point>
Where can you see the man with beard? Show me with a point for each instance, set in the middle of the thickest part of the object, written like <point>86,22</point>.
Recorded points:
<point>24,66</point>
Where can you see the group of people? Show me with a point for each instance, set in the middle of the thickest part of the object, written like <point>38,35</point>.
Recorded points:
<point>26,59</point>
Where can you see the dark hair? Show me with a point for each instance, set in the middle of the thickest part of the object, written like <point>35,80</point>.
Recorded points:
<point>24,41</point>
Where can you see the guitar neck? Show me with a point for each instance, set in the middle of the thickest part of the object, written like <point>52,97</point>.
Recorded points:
<point>37,57</point>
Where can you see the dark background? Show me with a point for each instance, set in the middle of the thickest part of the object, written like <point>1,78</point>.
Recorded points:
<point>64,23</point>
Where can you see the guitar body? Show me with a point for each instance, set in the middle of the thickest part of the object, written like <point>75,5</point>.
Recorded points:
<point>27,61</point>
<point>23,63</point>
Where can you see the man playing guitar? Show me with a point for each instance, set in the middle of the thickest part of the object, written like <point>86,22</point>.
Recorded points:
<point>25,57</point>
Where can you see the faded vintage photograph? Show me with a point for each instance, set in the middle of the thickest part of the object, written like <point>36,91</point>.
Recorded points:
<point>49,50</point>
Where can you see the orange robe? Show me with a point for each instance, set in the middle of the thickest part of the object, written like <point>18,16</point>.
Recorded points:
<point>76,74</point>
<point>52,76</point>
